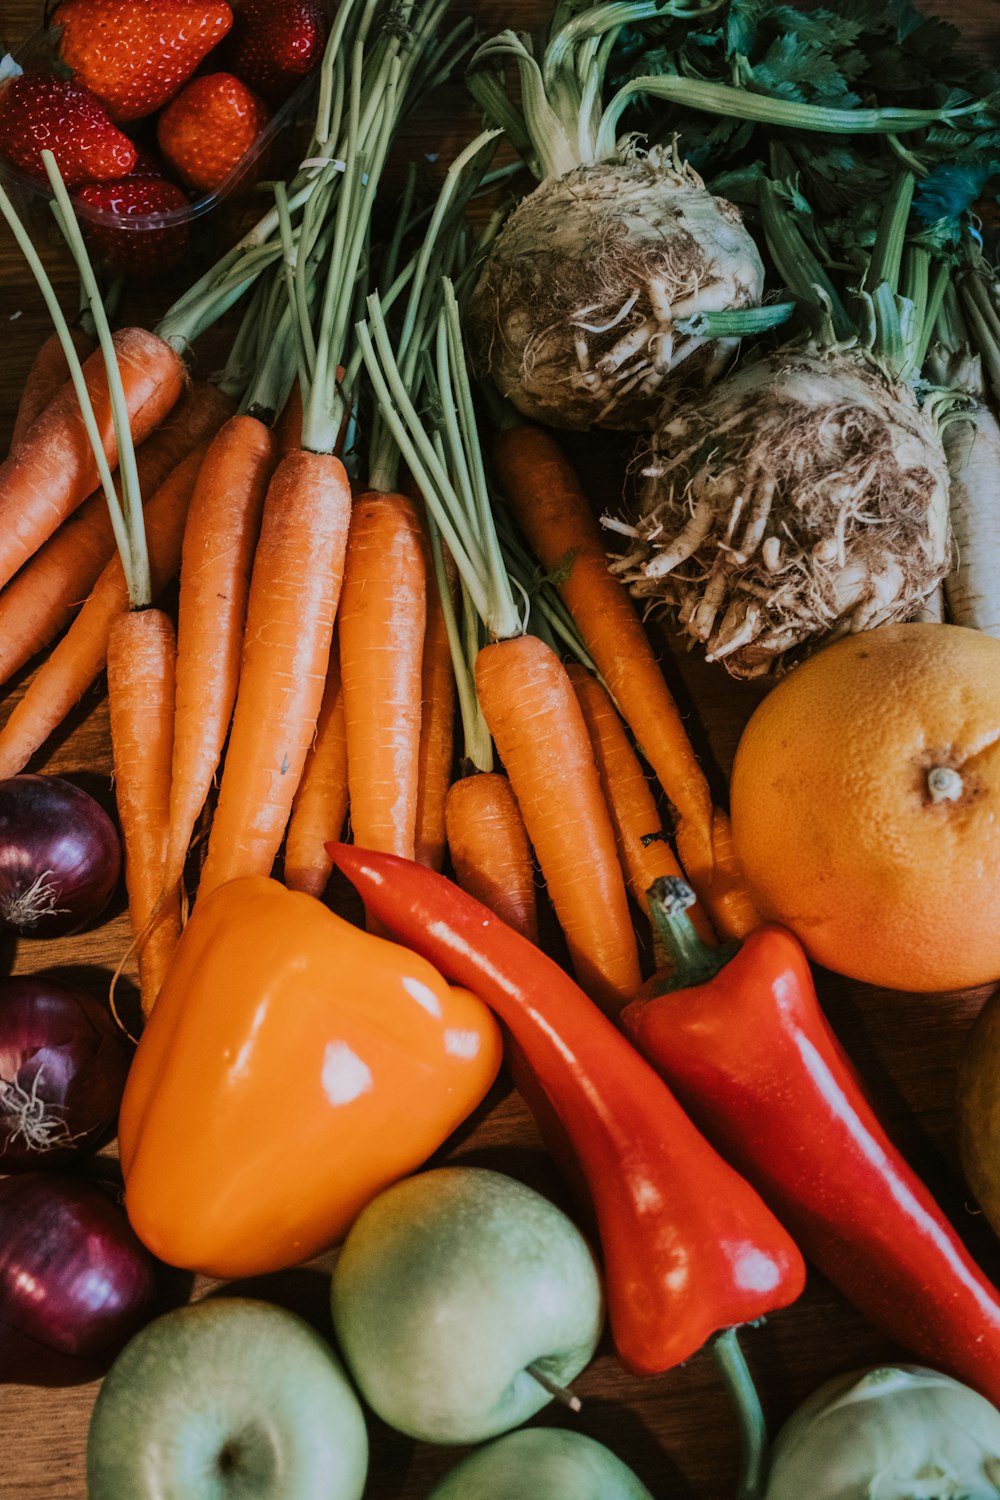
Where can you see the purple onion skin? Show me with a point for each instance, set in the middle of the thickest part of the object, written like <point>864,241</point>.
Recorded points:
<point>63,1066</point>
<point>75,1282</point>
<point>60,856</point>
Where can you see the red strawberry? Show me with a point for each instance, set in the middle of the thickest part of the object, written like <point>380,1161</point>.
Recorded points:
<point>147,163</point>
<point>38,110</point>
<point>144,248</point>
<point>275,43</point>
<point>203,133</point>
<point>136,54</point>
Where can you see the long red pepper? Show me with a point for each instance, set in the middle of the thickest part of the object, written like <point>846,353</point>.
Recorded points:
<point>688,1246</point>
<point>743,1041</point>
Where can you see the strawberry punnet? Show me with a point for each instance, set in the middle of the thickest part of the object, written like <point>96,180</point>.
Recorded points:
<point>135,55</point>
<point>274,44</point>
<point>39,111</point>
<point>144,248</point>
<point>203,133</point>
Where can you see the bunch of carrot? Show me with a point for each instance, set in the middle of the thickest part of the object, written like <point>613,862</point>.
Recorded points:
<point>574,792</point>
<point>259,544</point>
<point>322,641</point>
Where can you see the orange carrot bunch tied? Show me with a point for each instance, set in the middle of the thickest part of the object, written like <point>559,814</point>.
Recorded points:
<point>516,680</point>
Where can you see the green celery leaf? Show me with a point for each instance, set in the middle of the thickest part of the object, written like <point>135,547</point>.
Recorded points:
<point>794,69</point>
<point>826,28</point>
<point>742,21</point>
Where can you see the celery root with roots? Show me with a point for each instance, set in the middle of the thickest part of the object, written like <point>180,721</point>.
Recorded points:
<point>621,276</point>
<point>589,300</point>
<point>591,293</point>
<point>806,496</point>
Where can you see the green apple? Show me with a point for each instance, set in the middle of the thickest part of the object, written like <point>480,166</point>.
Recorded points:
<point>545,1463</point>
<point>449,1286</point>
<point>224,1399</point>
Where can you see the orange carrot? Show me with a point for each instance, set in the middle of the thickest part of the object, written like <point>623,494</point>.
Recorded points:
<point>548,501</point>
<point>297,575</point>
<point>733,912</point>
<point>39,602</point>
<point>53,469</point>
<point>489,849</point>
<point>381,627</point>
<point>643,850</point>
<point>531,710</point>
<point>80,656</point>
<point>47,376</point>
<point>220,533</point>
<point>436,755</point>
<point>141,652</point>
<point>320,805</point>
<point>288,427</point>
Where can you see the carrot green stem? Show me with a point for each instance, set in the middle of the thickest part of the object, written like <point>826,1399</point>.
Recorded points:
<point>405,58</point>
<point>135,557</point>
<point>477,742</point>
<point>74,367</point>
<point>72,360</point>
<point>206,299</point>
<point>545,602</point>
<point>424,462</point>
<point>241,361</point>
<point>296,286</point>
<point>503,618</point>
<point>458,184</point>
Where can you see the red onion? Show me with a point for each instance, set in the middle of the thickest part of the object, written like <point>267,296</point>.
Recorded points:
<point>62,1072</point>
<point>75,1282</point>
<point>60,856</point>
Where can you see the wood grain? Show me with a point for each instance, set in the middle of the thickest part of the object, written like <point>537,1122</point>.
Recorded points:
<point>675,1430</point>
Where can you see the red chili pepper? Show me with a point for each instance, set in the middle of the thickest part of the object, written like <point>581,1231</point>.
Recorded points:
<point>741,1038</point>
<point>688,1246</point>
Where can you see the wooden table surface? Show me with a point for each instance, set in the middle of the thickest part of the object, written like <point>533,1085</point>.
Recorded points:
<point>675,1430</point>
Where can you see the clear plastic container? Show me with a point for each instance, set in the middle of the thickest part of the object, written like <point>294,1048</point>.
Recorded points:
<point>208,224</point>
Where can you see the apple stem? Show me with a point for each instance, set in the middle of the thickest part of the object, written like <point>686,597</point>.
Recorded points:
<point>753,1430</point>
<point>560,1392</point>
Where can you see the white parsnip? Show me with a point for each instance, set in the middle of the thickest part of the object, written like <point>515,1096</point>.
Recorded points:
<point>972,587</point>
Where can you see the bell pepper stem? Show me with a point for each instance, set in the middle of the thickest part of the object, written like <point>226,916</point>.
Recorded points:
<point>753,1430</point>
<point>690,960</point>
<point>562,1393</point>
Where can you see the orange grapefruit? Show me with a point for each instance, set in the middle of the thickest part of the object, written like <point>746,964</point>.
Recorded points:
<point>866,806</point>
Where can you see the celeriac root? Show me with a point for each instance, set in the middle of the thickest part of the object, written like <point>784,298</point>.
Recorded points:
<point>805,498</point>
<point>575,313</point>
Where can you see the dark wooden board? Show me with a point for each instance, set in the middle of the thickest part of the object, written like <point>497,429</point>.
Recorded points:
<point>675,1429</point>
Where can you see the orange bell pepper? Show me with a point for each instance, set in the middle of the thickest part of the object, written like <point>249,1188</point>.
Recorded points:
<point>292,1068</point>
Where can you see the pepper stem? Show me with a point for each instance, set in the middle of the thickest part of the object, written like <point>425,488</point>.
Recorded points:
<point>690,960</point>
<point>753,1429</point>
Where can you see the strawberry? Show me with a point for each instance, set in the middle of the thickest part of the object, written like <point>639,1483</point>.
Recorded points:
<point>275,43</point>
<point>136,54</point>
<point>143,249</point>
<point>38,110</point>
<point>213,122</point>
